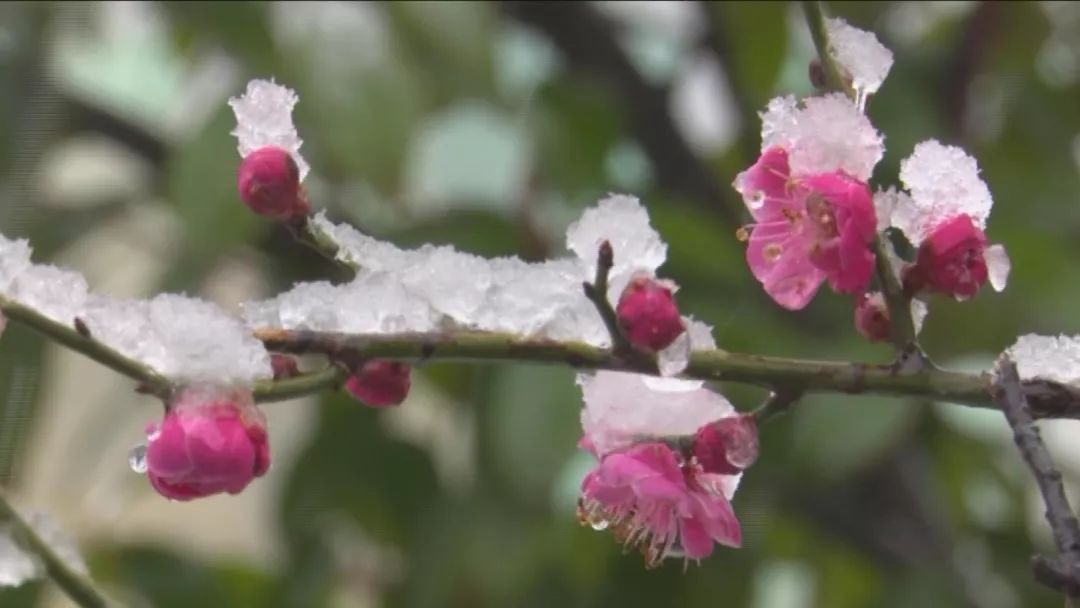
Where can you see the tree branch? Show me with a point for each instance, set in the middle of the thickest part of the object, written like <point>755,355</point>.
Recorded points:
<point>1063,572</point>
<point>78,338</point>
<point>780,374</point>
<point>77,586</point>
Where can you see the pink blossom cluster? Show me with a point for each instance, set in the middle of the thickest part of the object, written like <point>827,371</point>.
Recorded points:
<point>816,221</point>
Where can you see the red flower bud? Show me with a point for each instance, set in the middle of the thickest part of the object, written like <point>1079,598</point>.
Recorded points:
<point>269,184</point>
<point>380,383</point>
<point>727,446</point>
<point>648,315</point>
<point>872,317</point>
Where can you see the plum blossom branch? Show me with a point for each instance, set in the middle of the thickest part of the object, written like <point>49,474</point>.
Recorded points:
<point>1063,572</point>
<point>782,375</point>
<point>902,325</point>
<point>77,586</point>
<point>78,338</point>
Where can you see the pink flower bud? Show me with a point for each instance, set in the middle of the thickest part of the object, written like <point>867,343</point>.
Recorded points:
<point>727,446</point>
<point>208,443</point>
<point>284,366</point>
<point>380,383</point>
<point>648,315</point>
<point>269,184</point>
<point>872,317</point>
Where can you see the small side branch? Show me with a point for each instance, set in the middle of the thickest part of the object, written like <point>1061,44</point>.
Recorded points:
<point>1062,572</point>
<point>777,404</point>
<point>78,337</point>
<point>76,585</point>
<point>597,294</point>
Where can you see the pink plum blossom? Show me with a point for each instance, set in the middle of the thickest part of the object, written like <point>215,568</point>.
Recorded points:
<point>208,443</point>
<point>951,260</point>
<point>656,502</point>
<point>648,315</point>
<point>807,229</point>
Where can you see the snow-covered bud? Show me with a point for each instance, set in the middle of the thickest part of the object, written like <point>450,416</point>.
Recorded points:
<point>648,315</point>
<point>208,443</point>
<point>872,317</point>
<point>950,260</point>
<point>727,446</point>
<point>269,184</point>
<point>380,383</point>
<point>284,366</point>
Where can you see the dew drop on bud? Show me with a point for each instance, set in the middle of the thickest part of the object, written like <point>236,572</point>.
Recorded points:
<point>599,524</point>
<point>137,458</point>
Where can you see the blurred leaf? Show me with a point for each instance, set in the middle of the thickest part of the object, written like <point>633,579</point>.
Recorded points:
<point>839,435</point>
<point>168,580</point>
<point>756,33</point>
<point>202,187</point>
<point>353,468</point>
<point>534,427</point>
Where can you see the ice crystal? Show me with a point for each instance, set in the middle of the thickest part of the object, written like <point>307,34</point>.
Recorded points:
<point>264,118</point>
<point>861,54</point>
<point>944,183</point>
<point>1047,358</point>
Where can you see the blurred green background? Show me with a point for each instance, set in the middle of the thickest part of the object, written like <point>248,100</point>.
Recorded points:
<point>490,126</point>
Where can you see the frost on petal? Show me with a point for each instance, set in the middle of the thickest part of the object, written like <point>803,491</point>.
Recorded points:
<point>944,182</point>
<point>1047,358</point>
<point>264,118</point>
<point>826,134</point>
<point>998,266</point>
<point>620,408</point>
<point>18,566</point>
<point>860,53</point>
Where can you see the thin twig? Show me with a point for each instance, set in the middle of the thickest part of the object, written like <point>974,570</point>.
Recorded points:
<point>76,585</point>
<point>597,292</point>
<point>1063,572</point>
<point>79,339</point>
<point>834,75</point>
<point>305,233</point>
<point>776,404</point>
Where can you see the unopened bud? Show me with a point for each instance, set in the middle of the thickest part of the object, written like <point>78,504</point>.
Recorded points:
<point>380,383</point>
<point>872,317</point>
<point>727,446</point>
<point>269,184</point>
<point>648,315</point>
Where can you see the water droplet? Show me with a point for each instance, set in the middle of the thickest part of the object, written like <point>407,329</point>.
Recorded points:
<point>599,524</point>
<point>137,458</point>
